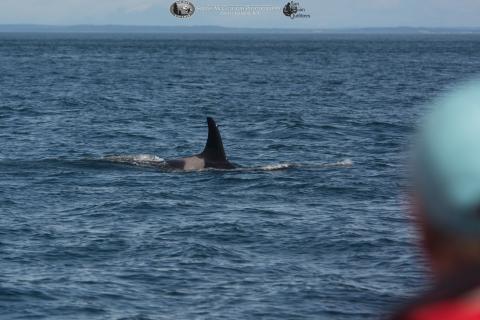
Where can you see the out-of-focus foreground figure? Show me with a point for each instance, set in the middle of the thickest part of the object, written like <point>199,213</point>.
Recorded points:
<point>447,206</point>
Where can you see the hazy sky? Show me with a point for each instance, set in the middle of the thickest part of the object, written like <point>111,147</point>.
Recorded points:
<point>324,14</point>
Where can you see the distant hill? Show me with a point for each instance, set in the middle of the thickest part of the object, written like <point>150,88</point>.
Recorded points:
<point>217,29</point>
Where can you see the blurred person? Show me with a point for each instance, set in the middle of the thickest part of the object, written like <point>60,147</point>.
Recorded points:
<point>446,207</point>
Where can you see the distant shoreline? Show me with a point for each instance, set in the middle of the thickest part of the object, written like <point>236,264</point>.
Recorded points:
<point>31,28</point>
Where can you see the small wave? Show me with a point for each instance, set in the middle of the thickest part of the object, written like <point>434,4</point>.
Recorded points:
<point>342,163</point>
<point>137,159</point>
<point>279,166</point>
<point>284,166</point>
<point>346,163</point>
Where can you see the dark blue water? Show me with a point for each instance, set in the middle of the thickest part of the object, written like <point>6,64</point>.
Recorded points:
<point>313,228</point>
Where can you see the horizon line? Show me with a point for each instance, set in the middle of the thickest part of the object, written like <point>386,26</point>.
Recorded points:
<point>229,27</point>
<point>125,28</point>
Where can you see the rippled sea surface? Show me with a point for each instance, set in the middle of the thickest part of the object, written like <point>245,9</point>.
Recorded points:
<point>312,227</point>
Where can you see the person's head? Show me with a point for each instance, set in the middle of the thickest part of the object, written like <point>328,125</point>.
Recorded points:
<point>447,173</point>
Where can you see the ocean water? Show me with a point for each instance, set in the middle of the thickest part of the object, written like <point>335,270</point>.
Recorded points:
<point>314,224</point>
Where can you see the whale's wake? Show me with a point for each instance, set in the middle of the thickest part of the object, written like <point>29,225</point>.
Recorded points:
<point>151,160</point>
<point>137,159</point>
<point>283,166</point>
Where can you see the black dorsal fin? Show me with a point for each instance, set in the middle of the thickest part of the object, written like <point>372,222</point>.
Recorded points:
<point>214,148</point>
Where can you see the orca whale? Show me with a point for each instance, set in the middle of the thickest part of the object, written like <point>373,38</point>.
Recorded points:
<point>212,156</point>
